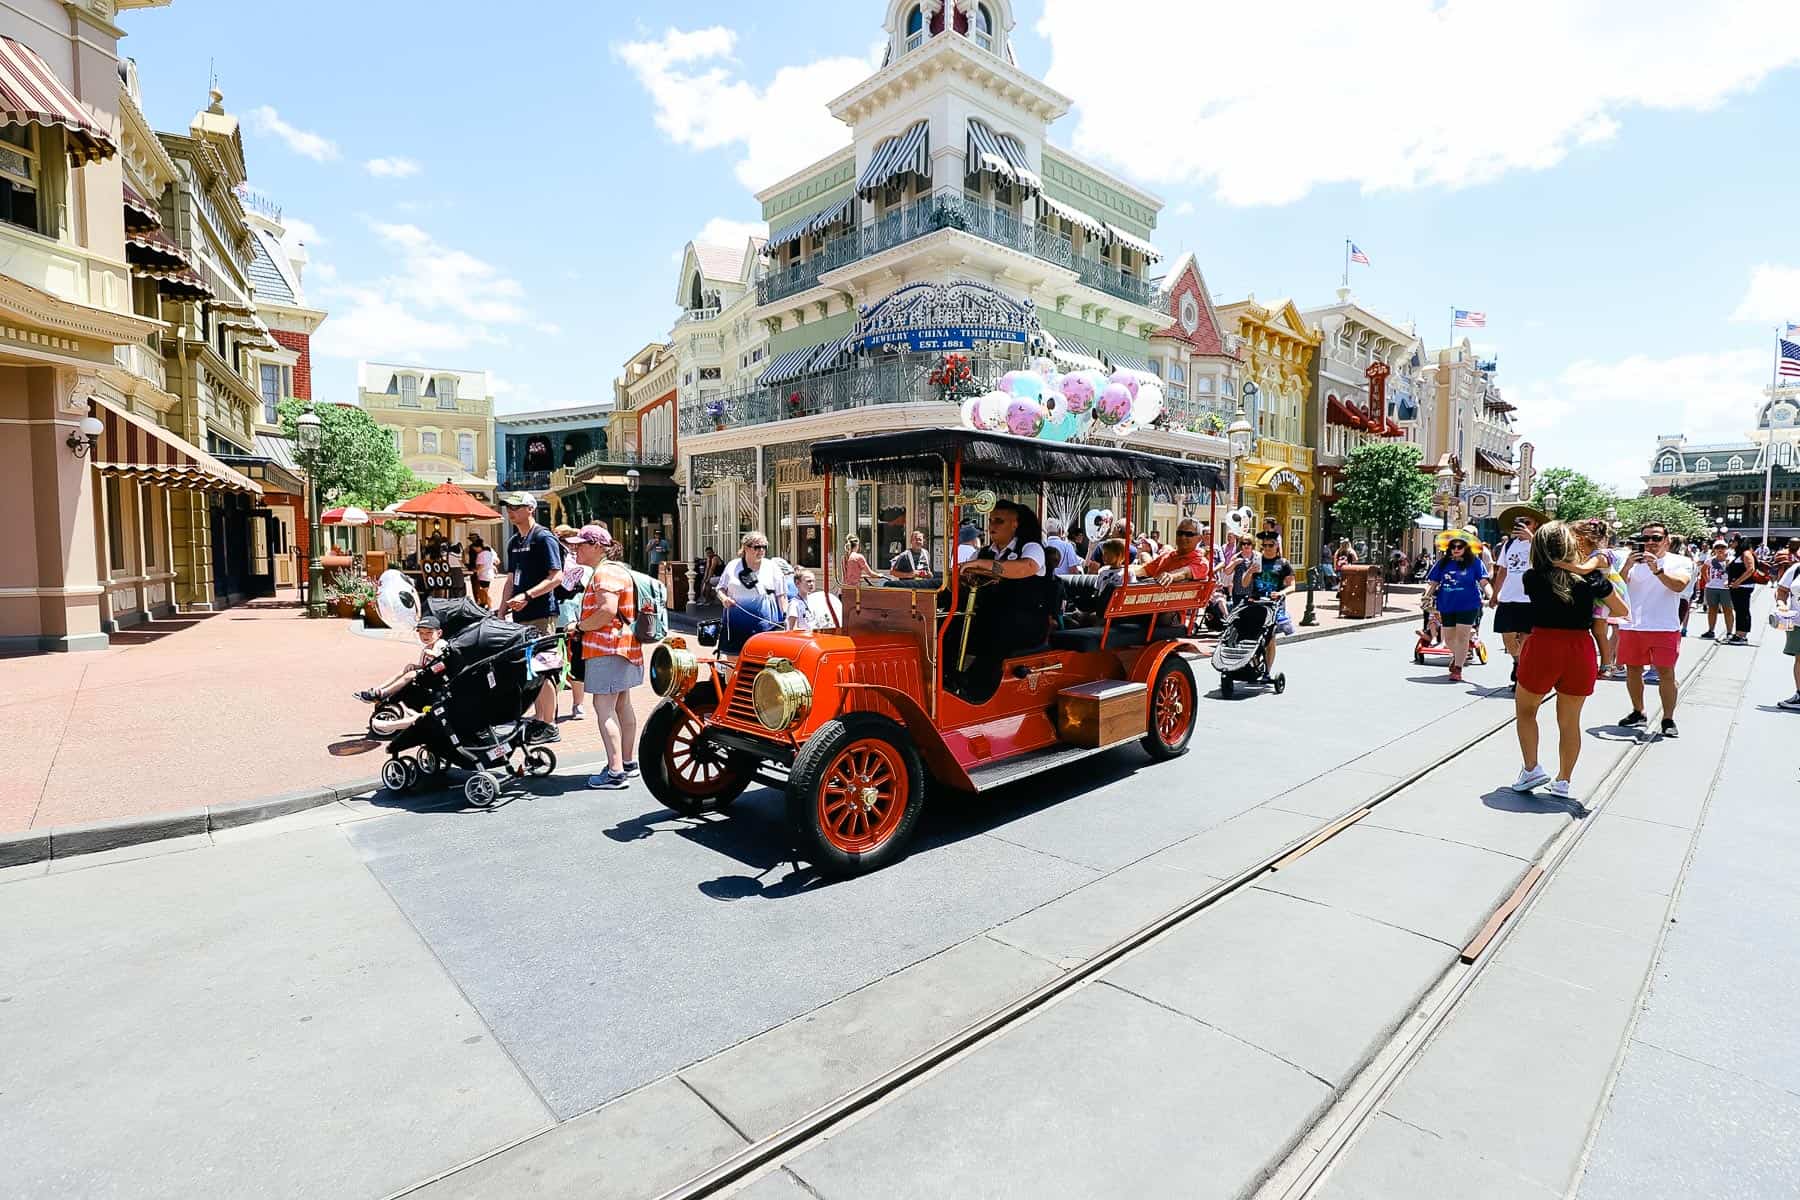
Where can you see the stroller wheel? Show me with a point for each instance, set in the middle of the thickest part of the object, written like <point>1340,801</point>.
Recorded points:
<point>383,720</point>
<point>394,774</point>
<point>481,789</point>
<point>1481,653</point>
<point>539,761</point>
<point>1280,682</point>
<point>1227,685</point>
<point>1418,657</point>
<point>432,767</point>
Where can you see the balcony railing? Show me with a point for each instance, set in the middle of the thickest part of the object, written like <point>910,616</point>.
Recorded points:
<point>894,379</point>
<point>951,210</point>
<point>697,314</point>
<point>1204,412</point>
<point>596,459</point>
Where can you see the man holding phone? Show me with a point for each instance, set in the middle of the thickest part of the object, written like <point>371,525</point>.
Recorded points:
<point>1655,581</point>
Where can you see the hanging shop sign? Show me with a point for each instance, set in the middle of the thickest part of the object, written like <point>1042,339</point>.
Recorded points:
<point>945,316</point>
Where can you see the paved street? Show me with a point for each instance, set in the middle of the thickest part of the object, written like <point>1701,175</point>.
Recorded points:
<point>355,1000</point>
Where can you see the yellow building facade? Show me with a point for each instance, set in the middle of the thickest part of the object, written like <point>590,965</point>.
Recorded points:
<point>1278,479</point>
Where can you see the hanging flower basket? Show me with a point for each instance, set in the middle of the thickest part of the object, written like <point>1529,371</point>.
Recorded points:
<point>954,378</point>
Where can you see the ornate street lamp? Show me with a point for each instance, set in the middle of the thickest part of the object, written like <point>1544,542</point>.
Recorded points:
<point>632,482</point>
<point>309,432</point>
<point>1239,438</point>
<point>1550,499</point>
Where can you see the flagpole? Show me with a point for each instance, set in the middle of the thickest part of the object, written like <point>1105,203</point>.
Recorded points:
<point>1769,438</point>
<point>1346,262</point>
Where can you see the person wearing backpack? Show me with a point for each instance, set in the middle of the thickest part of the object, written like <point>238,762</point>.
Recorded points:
<point>613,658</point>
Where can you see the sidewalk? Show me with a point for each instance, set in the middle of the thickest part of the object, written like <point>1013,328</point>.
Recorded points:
<point>203,709</point>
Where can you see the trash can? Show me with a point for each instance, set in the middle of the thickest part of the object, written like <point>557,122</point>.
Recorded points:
<point>1362,593</point>
<point>674,578</point>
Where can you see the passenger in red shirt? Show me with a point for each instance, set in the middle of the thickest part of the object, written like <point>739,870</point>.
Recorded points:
<point>1183,560</point>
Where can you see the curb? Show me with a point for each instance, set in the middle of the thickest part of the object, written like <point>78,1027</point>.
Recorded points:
<point>35,845</point>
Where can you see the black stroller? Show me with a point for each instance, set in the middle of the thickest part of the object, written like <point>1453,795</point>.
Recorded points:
<point>1240,656</point>
<point>474,704</point>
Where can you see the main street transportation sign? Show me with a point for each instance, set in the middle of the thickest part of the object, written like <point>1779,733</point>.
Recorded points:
<point>945,316</point>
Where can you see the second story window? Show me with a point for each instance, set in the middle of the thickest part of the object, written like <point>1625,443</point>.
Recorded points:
<point>465,451</point>
<point>428,441</point>
<point>446,393</point>
<point>409,391</point>
<point>19,177</point>
<point>270,386</point>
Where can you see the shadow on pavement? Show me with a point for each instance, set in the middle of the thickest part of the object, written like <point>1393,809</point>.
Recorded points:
<point>1507,800</point>
<point>1617,733</point>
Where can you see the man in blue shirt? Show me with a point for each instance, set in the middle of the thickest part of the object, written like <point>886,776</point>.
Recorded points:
<point>534,568</point>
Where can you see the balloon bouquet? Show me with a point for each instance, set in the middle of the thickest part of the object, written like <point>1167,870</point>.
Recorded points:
<point>1040,403</point>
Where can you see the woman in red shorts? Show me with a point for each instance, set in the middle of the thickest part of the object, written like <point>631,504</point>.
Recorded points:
<point>1558,654</point>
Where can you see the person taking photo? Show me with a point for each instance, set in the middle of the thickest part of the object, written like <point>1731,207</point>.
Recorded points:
<point>1655,579</point>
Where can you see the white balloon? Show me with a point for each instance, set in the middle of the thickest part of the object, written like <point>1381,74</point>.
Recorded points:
<point>1149,403</point>
<point>397,601</point>
<point>993,408</point>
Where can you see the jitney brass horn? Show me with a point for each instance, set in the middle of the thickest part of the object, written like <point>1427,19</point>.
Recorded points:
<point>982,502</point>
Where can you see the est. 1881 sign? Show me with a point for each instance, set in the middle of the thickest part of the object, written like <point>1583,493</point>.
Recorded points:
<point>945,316</point>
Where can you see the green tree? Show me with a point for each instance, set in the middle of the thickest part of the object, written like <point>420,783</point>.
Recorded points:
<point>1682,518</point>
<point>1383,491</point>
<point>1577,496</point>
<point>357,462</point>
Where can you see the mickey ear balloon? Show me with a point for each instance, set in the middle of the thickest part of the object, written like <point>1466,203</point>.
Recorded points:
<point>993,409</point>
<point>1129,381</point>
<point>1149,403</point>
<point>1115,404</point>
<point>1078,392</point>
<point>397,601</point>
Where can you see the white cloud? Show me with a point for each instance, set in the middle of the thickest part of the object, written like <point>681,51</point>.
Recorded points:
<point>703,104</point>
<point>1604,417</point>
<point>317,147</point>
<point>299,230</point>
<point>1183,209</point>
<point>392,168</point>
<point>1772,297</point>
<point>1458,92</point>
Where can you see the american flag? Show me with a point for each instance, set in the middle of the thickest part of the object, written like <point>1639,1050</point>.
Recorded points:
<point>1357,256</point>
<point>1470,320</point>
<point>1788,365</point>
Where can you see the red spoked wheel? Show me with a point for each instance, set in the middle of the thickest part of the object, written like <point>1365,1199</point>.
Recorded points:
<point>1172,711</point>
<point>855,794</point>
<point>681,775</point>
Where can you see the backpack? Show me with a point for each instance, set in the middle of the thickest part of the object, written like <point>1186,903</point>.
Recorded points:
<point>651,604</point>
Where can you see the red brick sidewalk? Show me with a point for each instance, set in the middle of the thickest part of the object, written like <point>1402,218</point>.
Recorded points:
<point>203,709</point>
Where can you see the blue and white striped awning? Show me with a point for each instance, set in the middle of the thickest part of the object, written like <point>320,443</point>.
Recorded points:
<point>812,222</point>
<point>832,355</point>
<point>790,232</point>
<point>1136,243</point>
<point>790,365</point>
<point>1073,352</point>
<point>905,153</point>
<point>1076,216</point>
<point>1137,366</point>
<point>1001,153</point>
<point>831,215</point>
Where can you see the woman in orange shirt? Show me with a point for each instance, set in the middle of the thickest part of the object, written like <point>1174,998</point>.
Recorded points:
<point>613,662</point>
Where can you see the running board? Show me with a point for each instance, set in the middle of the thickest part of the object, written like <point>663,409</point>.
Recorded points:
<point>1011,770</point>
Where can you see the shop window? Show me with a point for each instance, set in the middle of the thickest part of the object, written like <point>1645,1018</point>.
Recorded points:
<point>115,524</point>
<point>428,441</point>
<point>20,177</point>
<point>465,451</point>
<point>1296,542</point>
<point>145,513</point>
<point>270,387</point>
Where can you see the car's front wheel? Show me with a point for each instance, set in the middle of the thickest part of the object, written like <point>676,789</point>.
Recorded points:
<point>682,775</point>
<point>1171,725</point>
<point>855,794</point>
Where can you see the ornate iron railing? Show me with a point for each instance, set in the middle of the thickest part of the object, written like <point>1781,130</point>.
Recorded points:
<point>892,379</point>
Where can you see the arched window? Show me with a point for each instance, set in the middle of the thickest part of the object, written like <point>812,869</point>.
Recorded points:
<point>1668,464</point>
<point>1736,463</point>
<point>915,28</point>
<point>1704,464</point>
<point>696,300</point>
<point>984,28</point>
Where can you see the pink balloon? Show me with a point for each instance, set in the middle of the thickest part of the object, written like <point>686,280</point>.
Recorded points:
<point>1078,392</point>
<point>1025,418</point>
<point>1129,380</point>
<point>1115,404</point>
<point>971,413</point>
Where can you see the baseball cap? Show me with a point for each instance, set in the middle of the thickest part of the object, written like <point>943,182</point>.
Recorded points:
<point>589,535</point>
<point>1720,544</point>
<point>429,623</point>
<point>517,500</point>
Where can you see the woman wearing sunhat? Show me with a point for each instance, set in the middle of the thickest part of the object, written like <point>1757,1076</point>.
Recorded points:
<point>1458,586</point>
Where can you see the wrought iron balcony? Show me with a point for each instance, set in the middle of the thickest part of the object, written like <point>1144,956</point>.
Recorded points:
<point>595,460</point>
<point>1203,412</point>
<point>893,379</point>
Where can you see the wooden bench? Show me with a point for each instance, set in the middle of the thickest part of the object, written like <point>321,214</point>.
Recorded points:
<point>1131,612</point>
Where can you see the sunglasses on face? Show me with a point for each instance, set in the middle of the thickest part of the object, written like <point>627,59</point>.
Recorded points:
<point>1655,537</point>
<point>1181,533</point>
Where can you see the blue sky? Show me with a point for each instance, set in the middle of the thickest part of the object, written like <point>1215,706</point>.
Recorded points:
<point>511,195</point>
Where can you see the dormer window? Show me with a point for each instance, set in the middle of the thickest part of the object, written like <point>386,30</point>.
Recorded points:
<point>984,28</point>
<point>409,391</point>
<point>915,28</point>
<point>1669,464</point>
<point>1704,464</point>
<point>446,393</point>
<point>1736,463</point>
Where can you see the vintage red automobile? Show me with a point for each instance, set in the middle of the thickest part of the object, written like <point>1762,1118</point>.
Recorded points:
<point>858,725</point>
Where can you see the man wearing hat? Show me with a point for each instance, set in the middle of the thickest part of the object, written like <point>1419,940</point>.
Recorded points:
<point>1512,607</point>
<point>534,562</point>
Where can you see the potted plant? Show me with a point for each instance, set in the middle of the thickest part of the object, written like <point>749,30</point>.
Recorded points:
<point>349,592</point>
<point>796,404</point>
<point>945,216</point>
<point>716,410</point>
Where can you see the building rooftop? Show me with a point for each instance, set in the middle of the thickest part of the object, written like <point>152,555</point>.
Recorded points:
<point>268,274</point>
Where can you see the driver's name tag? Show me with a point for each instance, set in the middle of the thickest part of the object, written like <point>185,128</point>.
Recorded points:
<point>492,682</point>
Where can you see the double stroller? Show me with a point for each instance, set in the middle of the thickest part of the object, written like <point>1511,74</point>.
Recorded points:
<point>1241,655</point>
<point>474,705</point>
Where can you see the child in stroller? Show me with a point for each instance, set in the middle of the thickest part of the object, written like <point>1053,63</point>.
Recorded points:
<point>1242,655</point>
<point>398,701</point>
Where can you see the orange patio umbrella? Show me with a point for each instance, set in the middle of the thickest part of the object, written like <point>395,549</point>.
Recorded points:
<point>447,501</point>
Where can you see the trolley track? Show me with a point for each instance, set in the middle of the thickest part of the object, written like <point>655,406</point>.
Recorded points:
<point>1357,1101</point>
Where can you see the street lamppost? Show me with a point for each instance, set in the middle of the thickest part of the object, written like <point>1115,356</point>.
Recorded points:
<point>309,432</point>
<point>1239,437</point>
<point>632,481</point>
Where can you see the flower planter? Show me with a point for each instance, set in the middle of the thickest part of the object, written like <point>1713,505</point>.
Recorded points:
<point>372,617</point>
<point>343,608</point>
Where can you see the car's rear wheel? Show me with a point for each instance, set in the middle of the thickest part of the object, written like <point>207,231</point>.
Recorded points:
<point>681,775</point>
<point>1227,685</point>
<point>855,794</point>
<point>1172,694</point>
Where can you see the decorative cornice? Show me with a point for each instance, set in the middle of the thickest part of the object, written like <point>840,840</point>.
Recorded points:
<point>832,165</point>
<point>29,305</point>
<point>950,54</point>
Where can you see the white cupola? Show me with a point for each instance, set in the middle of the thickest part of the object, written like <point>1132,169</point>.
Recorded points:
<point>986,23</point>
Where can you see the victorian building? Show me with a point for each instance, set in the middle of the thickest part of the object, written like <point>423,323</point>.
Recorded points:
<point>1277,479</point>
<point>946,224</point>
<point>441,420</point>
<point>1725,480</point>
<point>1473,432</point>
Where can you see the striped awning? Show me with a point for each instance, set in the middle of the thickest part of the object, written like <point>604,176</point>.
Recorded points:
<point>1489,461</point>
<point>31,94</point>
<point>178,285</point>
<point>1073,352</point>
<point>1136,243</point>
<point>152,249</point>
<point>140,214</point>
<point>790,232</point>
<point>903,154</point>
<point>832,355</point>
<point>813,222</point>
<point>1001,153</point>
<point>790,365</point>
<point>1076,217</point>
<point>831,215</point>
<point>1137,366</point>
<point>133,448</point>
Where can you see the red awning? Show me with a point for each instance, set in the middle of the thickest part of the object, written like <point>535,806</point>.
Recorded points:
<point>152,249</point>
<point>31,94</point>
<point>140,215</point>
<point>1489,461</point>
<point>178,285</point>
<point>1336,413</point>
<point>134,448</point>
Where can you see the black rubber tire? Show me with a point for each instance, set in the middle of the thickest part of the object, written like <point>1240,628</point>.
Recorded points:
<point>1280,682</point>
<point>1418,658</point>
<point>1172,666</point>
<point>539,761</point>
<point>660,728</point>
<point>395,777</point>
<point>1227,686</point>
<point>481,789</point>
<point>808,777</point>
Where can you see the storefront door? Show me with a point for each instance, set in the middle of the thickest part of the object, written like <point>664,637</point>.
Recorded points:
<point>799,520</point>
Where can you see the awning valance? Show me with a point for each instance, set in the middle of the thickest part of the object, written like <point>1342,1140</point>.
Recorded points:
<point>131,447</point>
<point>790,232</point>
<point>1134,364</point>
<point>31,94</point>
<point>152,249</point>
<point>903,154</point>
<point>1001,153</point>
<point>790,365</point>
<point>1489,461</point>
<point>1073,352</point>
<point>831,215</point>
<point>813,222</point>
<point>178,285</point>
<point>140,215</point>
<point>832,355</point>
<point>1134,242</point>
<point>1076,216</point>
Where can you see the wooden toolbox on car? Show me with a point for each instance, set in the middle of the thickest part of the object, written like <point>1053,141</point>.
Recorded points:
<point>1101,713</point>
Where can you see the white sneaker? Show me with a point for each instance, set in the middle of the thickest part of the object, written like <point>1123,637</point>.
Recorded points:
<point>1530,778</point>
<point>1559,789</point>
<point>1792,703</point>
